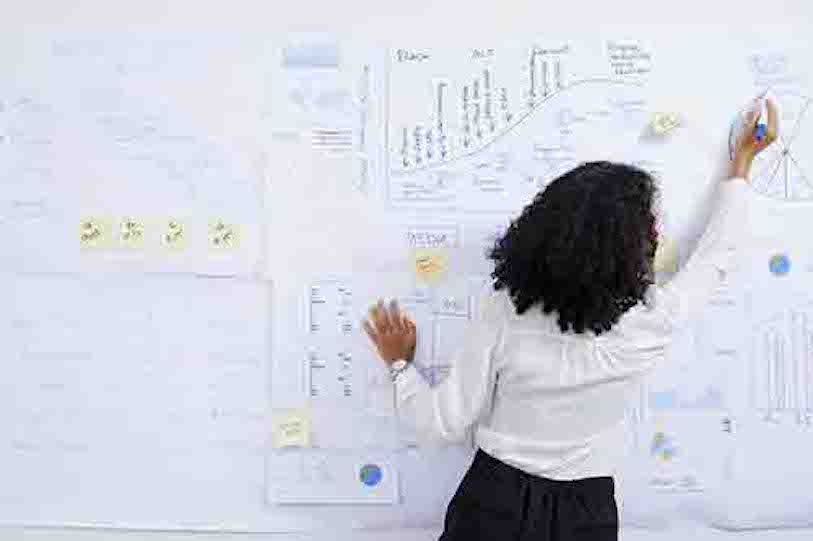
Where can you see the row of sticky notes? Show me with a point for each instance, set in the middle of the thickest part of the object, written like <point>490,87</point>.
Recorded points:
<point>133,233</point>
<point>431,265</point>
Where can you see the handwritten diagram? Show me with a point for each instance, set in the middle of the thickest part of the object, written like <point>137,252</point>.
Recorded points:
<point>784,170</point>
<point>492,127</point>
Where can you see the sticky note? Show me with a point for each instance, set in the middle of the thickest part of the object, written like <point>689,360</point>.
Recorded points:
<point>131,232</point>
<point>222,235</point>
<point>292,429</point>
<point>430,264</point>
<point>666,256</point>
<point>173,234</point>
<point>94,232</point>
<point>663,123</point>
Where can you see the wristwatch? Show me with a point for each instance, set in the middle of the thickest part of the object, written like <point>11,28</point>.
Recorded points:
<point>396,368</point>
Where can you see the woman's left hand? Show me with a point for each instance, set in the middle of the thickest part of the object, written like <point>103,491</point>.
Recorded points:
<point>392,332</point>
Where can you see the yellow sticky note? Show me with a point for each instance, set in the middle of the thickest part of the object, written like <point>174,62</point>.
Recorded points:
<point>663,123</point>
<point>292,429</point>
<point>173,234</point>
<point>131,232</point>
<point>666,256</point>
<point>223,235</point>
<point>430,264</point>
<point>94,232</point>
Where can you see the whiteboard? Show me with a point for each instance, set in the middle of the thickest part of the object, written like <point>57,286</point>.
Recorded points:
<point>303,153</point>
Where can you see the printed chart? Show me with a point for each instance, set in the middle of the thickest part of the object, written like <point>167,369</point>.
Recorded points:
<point>782,366</point>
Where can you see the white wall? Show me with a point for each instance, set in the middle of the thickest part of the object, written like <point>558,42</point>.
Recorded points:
<point>376,20</point>
<point>413,19</point>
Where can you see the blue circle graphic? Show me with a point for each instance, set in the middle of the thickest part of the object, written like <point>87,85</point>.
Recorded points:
<point>779,265</point>
<point>370,475</point>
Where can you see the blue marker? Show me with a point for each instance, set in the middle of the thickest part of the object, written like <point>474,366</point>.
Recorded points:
<point>761,130</point>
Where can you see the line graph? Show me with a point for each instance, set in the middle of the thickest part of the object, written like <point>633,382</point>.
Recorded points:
<point>515,124</point>
<point>485,132</point>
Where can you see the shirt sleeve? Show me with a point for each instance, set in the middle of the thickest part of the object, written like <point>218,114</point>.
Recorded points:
<point>444,414</point>
<point>640,338</point>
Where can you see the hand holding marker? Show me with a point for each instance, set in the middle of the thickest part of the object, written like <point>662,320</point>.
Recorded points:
<point>751,133</point>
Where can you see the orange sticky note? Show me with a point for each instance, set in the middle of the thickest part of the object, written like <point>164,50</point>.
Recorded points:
<point>430,264</point>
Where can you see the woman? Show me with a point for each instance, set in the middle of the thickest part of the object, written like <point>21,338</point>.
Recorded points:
<point>571,324</point>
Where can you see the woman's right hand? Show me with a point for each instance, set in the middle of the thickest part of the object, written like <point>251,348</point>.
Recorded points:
<point>392,331</point>
<point>748,146</point>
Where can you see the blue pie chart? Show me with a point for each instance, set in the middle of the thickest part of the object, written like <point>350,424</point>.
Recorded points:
<point>370,475</point>
<point>779,265</point>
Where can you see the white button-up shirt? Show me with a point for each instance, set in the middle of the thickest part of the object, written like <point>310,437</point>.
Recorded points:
<point>553,403</point>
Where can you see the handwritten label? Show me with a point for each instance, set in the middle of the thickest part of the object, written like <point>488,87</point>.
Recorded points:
<point>773,69</point>
<point>550,51</point>
<point>453,305</point>
<point>432,237</point>
<point>482,53</point>
<point>769,64</point>
<point>410,55</point>
<point>628,59</point>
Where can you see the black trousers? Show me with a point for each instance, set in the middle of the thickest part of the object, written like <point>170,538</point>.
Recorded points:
<point>497,502</point>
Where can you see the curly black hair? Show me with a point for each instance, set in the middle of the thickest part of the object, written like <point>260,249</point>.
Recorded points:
<point>584,247</point>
